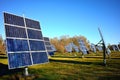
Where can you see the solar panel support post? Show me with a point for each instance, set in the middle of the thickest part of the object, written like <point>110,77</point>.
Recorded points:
<point>104,55</point>
<point>26,71</point>
<point>104,48</point>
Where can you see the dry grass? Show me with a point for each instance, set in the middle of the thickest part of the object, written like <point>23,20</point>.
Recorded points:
<point>70,67</point>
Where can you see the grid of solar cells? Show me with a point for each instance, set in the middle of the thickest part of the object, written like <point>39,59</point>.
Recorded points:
<point>32,24</point>
<point>48,46</point>
<point>13,19</point>
<point>25,44</point>
<point>13,31</point>
<point>82,46</point>
<point>34,34</point>
<point>69,47</point>
<point>92,46</point>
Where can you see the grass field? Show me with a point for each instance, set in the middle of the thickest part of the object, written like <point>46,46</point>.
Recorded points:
<point>67,66</point>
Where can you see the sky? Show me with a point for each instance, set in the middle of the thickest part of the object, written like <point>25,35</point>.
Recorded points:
<point>69,17</point>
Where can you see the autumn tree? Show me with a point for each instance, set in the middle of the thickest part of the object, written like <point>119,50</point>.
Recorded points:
<point>61,42</point>
<point>2,45</point>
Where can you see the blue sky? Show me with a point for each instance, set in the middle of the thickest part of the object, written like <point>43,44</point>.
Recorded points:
<point>69,17</point>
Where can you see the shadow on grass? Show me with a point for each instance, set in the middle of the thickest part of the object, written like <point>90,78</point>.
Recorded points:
<point>109,78</point>
<point>3,57</point>
<point>66,57</point>
<point>98,57</point>
<point>76,62</point>
<point>5,71</point>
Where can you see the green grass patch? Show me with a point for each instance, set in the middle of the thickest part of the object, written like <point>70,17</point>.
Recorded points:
<point>68,66</point>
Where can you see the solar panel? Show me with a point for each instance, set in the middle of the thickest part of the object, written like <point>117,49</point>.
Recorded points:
<point>99,48</point>
<point>82,46</point>
<point>24,41</point>
<point>48,46</point>
<point>53,47</point>
<point>75,47</point>
<point>115,48</point>
<point>68,48</point>
<point>118,48</point>
<point>108,51</point>
<point>92,46</point>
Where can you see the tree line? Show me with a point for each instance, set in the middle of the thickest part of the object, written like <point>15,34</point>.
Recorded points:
<point>64,40</point>
<point>2,45</point>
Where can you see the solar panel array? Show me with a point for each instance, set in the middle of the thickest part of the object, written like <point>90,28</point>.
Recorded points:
<point>93,48</point>
<point>24,40</point>
<point>48,46</point>
<point>82,46</point>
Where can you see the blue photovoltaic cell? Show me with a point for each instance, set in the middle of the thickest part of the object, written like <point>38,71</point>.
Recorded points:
<point>12,19</point>
<point>39,57</point>
<point>76,48</point>
<point>34,34</point>
<point>113,47</point>
<point>51,53</point>
<point>19,59</point>
<point>37,45</point>
<point>14,45</point>
<point>32,24</point>
<point>12,31</point>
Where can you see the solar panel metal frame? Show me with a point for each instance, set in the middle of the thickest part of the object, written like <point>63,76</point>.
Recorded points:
<point>26,38</point>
